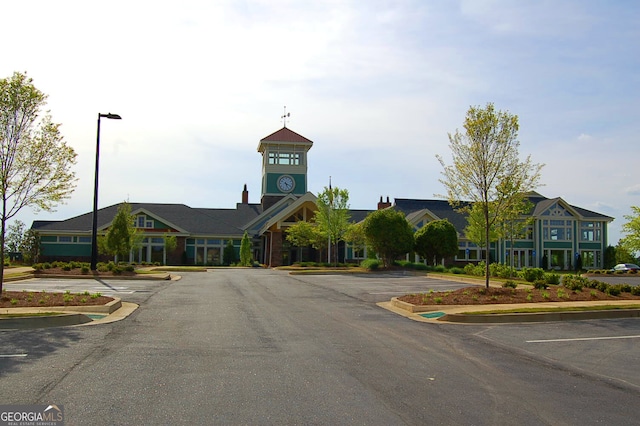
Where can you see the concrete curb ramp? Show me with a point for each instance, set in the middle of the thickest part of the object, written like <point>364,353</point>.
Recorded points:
<point>115,310</point>
<point>457,314</point>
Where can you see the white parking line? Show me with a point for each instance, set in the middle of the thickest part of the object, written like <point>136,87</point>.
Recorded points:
<point>12,355</point>
<point>578,339</point>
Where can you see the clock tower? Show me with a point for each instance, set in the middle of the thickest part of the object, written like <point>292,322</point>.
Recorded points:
<point>284,165</point>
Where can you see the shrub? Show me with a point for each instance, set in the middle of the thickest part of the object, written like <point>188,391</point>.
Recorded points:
<point>613,290</point>
<point>500,270</point>
<point>509,284</point>
<point>456,270</point>
<point>575,282</point>
<point>129,268</point>
<point>552,278</point>
<point>540,284</point>
<point>532,274</point>
<point>370,264</point>
<point>602,287</point>
<point>66,267</point>
<point>477,270</point>
<point>84,269</point>
<point>439,268</point>
<point>635,290</point>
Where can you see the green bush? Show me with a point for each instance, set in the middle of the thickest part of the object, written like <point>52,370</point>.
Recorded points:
<point>613,290</point>
<point>509,284</point>
<point>477,270</point>
<point>552,278</point>
<point>439,268</point>
<point>500,270</point>
<point>574,282</point>
<point>532,274</point>
<point>540,284</point>
<point>457,271</point>
<point>635,290</point>
<point>370,264</point>
<point>84,269</point>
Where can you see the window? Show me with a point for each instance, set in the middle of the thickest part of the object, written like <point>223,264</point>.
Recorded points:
<point>64,239</point>
<point>142,222</point>
<point>556,230</point>
<point>590,231</point>
<point>84,239</point>
<point>287,158</point>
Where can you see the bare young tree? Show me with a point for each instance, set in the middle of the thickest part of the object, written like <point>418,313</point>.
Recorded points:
<point>35,162</point>
<point>486,162</point>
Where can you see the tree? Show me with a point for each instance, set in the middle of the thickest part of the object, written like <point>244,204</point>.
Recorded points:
<point>631,241</point>
<point>389,234</point>
<point>609,257</point>
<point>475,231</point>
<point>121,236</point>
<point>354,235</point>
<point>15,234</point>
<point>229,256</point>
<point>246,258</point>
<point>30,247</point>
<point>304,234</point>
<point>485,157</point>
<point>623,254</point>
<point>35,162</point>
<point>332,216</point>
<point>170,243</point>
<point>436,240</point>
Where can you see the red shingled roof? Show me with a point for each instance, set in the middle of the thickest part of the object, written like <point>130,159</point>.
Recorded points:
<point>286,135</point>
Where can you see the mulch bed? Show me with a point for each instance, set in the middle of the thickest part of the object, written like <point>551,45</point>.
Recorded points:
<point>41,299</point>
<point>497,295</point>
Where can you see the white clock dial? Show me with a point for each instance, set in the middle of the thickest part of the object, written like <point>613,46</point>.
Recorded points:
<point>285,183</point>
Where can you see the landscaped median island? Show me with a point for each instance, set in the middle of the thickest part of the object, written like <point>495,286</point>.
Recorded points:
<point>42,299</point>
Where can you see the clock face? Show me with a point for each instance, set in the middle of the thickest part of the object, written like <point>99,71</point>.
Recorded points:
<point>286,183</point>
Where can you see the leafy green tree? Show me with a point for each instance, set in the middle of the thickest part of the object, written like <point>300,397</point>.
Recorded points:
<point>485,156</point>
<point>355,236</point>
<point>475,231</point>
<point>389,234</point>
<point>15,234</point>
<point>332,216</point>
<point>436,240</point>
<point>304,234</point>
<point>246,258</point>
<point>170,243</point>
<point>35,162</point>
<point>609,257</point>
<point>30,247</point>
<point>121,236</point>
<point>623,254</point>
<point>631,241</point>
<point>229,256</point>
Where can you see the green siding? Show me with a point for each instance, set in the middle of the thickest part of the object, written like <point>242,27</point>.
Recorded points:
<point>272,183</point>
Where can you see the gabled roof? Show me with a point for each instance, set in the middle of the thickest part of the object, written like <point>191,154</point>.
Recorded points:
<point>285,136</point>
<point>195,221</point>
<point>438,208</point>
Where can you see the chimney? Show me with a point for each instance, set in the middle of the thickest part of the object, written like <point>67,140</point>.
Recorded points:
<point>245,195</point>
<point>383,205</point>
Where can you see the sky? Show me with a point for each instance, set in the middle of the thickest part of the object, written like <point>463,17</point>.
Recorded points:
<point>376,85</point>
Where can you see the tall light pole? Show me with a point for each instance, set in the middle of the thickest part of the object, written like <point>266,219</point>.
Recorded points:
<point>94,229</point>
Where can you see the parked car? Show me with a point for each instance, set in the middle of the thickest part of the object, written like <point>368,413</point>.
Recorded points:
<point>626,267</point>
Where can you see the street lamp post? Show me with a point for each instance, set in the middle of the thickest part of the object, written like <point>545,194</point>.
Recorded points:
<point>94,229</point>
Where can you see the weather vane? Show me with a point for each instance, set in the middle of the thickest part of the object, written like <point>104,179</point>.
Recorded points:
<point>285,116</point>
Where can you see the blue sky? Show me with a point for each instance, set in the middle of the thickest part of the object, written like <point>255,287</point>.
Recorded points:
<point>377,85</point>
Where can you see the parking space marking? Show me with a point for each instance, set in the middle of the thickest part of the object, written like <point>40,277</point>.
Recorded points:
<point>579,339</point>
<point>12,355</point>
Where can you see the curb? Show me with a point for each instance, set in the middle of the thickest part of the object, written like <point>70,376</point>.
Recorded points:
<point>113,311</point>
<point>456,313</point>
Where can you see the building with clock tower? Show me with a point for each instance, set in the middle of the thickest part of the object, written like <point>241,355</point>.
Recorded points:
<point>558,235</point>
<point>284,165</point>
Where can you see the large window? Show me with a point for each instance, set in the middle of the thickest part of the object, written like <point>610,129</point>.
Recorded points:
<point>590,231</point>
<point>286,158</point>
<point>556,230</point>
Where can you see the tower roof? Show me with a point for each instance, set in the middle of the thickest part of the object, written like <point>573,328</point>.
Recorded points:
<point>285,136</point>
